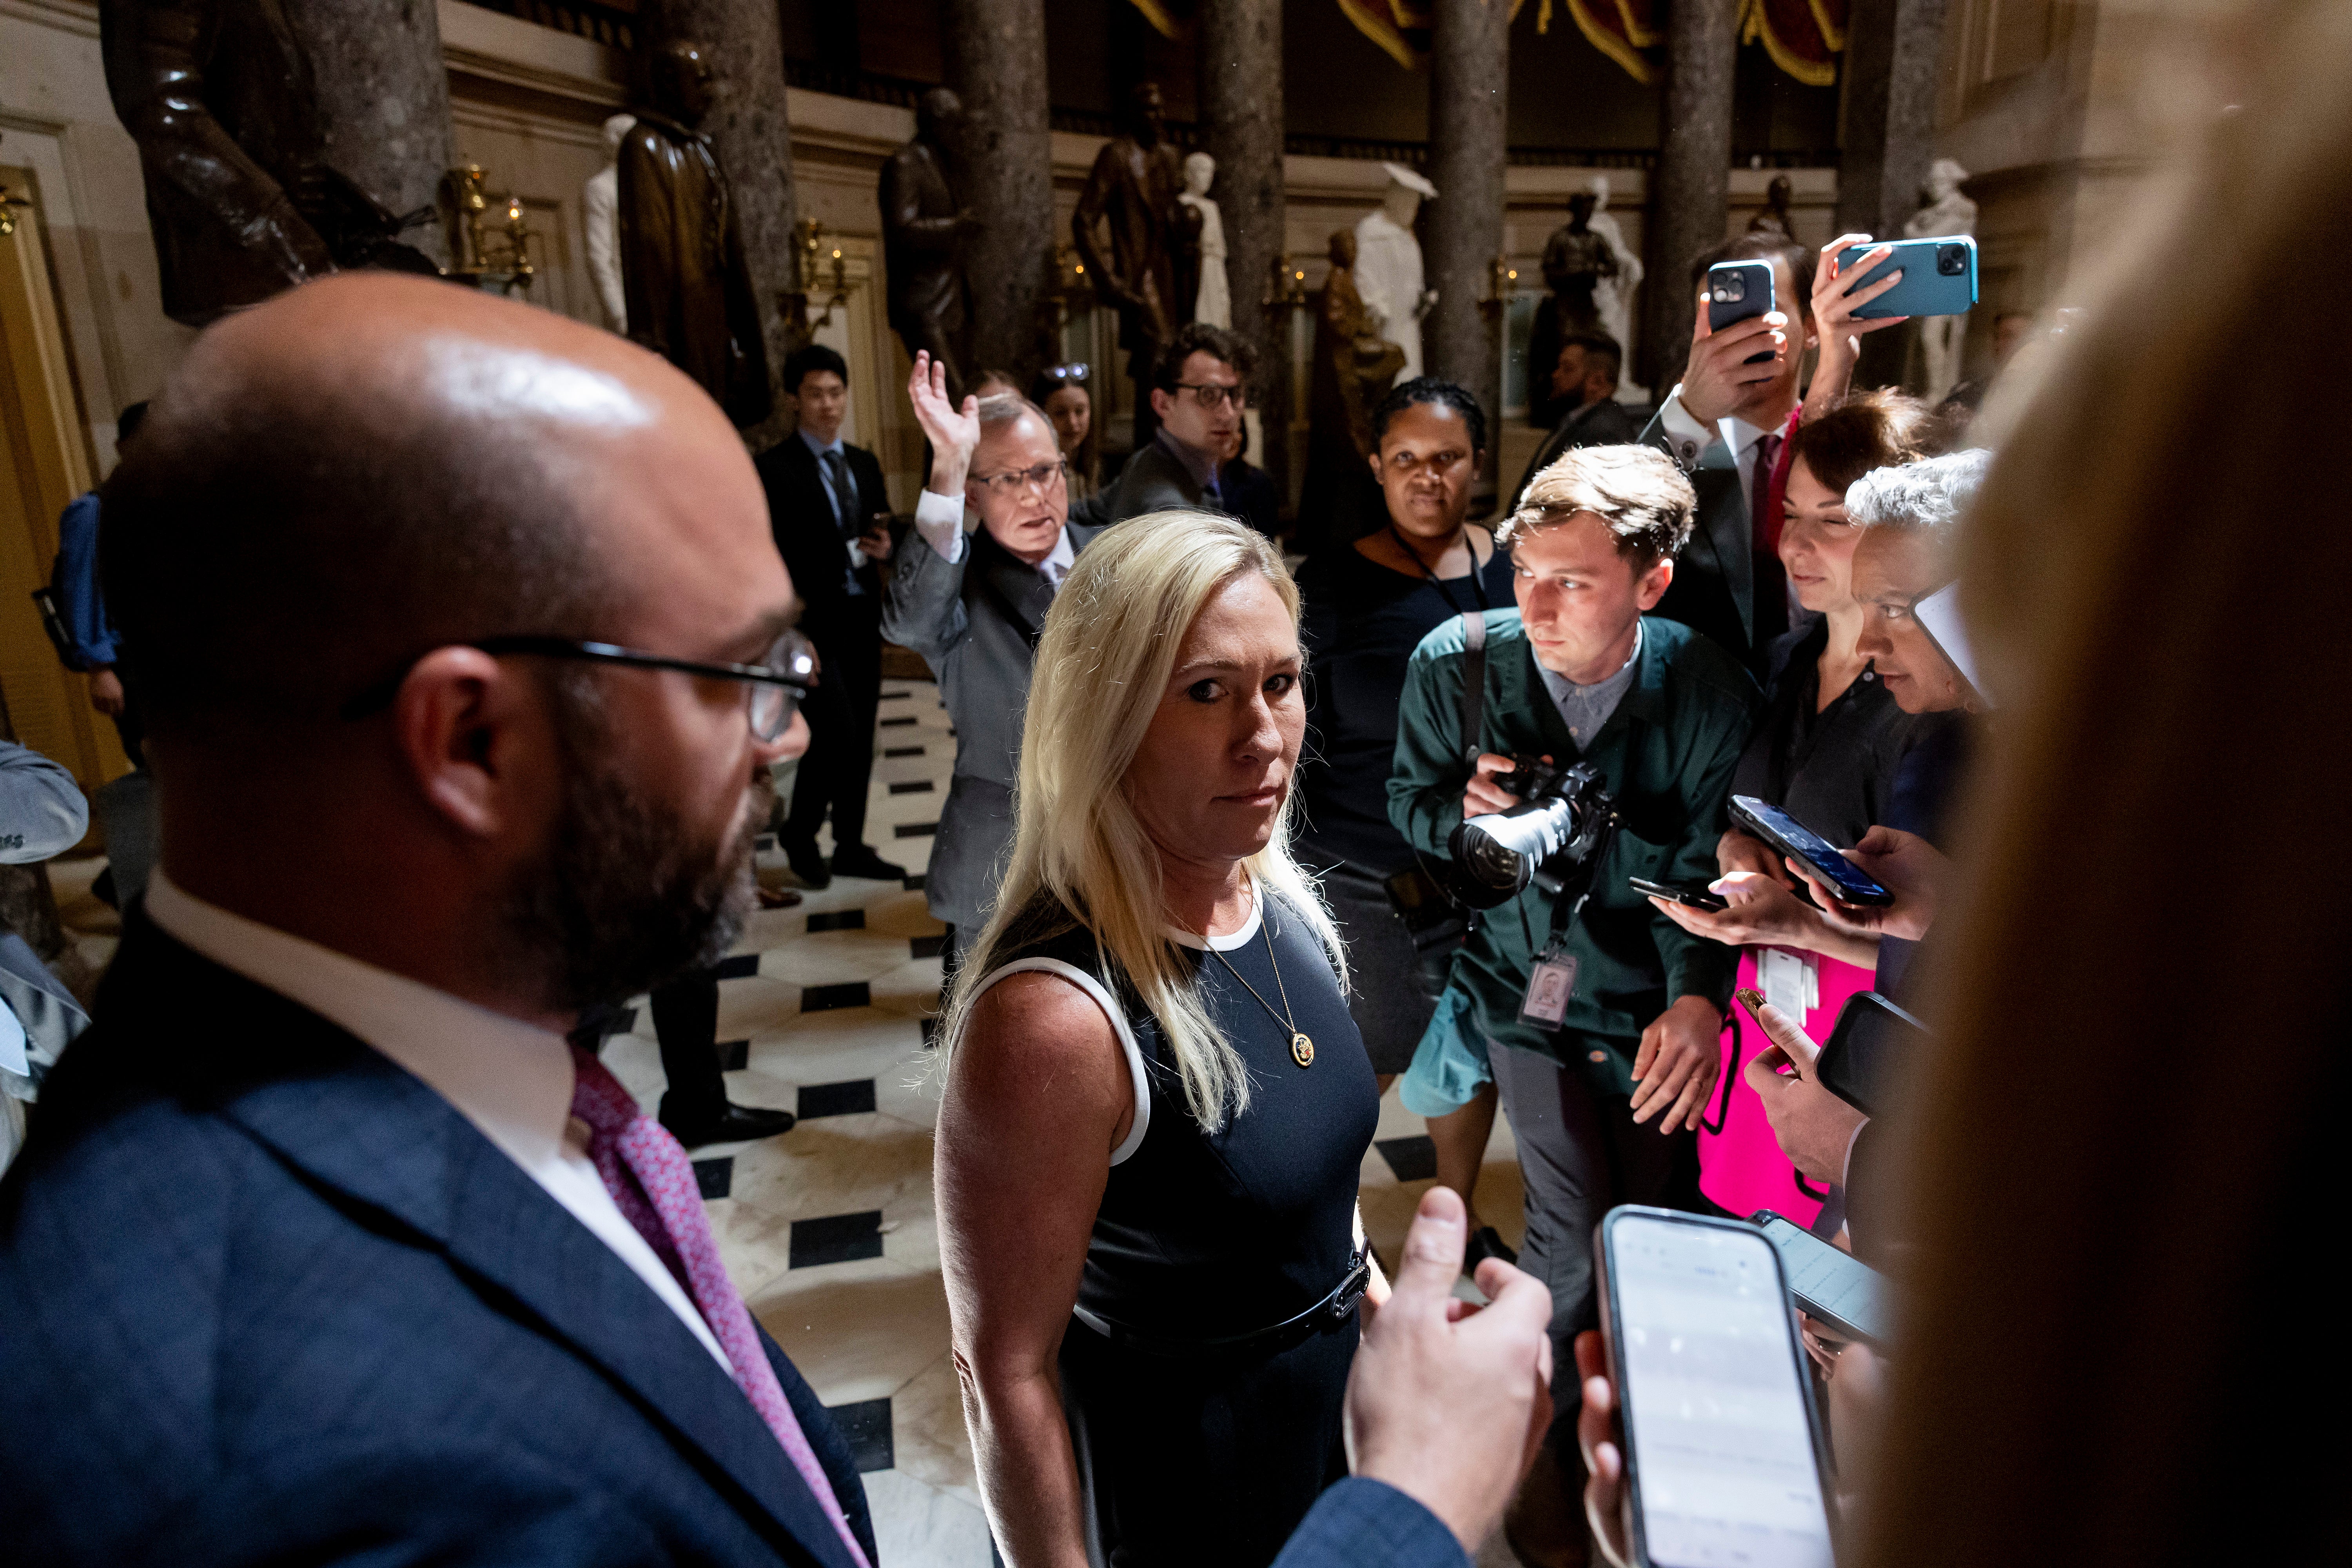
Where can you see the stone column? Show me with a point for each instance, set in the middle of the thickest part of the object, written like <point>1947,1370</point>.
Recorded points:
<point>383,93</point>
<point>1890,120</point>
<point>1469,62</point>
<point>1240,128</point>
<point>1689,192</point>
<point>753,139</point>
<point>996,63</point>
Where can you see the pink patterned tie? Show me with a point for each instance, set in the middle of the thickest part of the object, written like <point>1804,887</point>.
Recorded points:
<point>653,1183</point>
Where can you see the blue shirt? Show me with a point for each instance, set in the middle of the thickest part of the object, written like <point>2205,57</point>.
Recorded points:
<point>79,599</point>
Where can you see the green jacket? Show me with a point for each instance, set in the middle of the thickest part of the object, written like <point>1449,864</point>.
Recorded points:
<point>1666,755</point>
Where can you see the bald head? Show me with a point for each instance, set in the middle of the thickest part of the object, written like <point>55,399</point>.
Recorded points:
<point>372,466</point>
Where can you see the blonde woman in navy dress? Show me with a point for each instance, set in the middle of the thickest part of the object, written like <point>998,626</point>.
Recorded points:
<point>1156,1104</point>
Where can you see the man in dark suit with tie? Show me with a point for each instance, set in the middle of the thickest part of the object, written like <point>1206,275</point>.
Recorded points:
<point>831,515</point>
<point>1726,424</point>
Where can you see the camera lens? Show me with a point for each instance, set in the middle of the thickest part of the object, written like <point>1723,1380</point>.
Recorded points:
<point>1730,288</point>
<point>1952,260</point>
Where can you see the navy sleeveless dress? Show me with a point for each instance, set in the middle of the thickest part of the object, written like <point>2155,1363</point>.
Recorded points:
<point>1190,1452</point>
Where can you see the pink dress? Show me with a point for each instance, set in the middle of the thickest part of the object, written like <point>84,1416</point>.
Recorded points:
<point>1740,1165</point>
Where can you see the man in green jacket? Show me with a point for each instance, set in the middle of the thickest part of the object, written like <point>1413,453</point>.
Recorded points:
<point>1577,673</point>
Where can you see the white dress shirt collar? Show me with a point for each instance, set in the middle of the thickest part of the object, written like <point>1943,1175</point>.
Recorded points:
<point>510,1078</point>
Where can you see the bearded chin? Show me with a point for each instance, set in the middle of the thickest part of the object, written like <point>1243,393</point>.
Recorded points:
<point>621,902</point>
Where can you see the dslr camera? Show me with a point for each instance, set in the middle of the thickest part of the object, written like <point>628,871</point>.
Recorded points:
<point>1561,821</point>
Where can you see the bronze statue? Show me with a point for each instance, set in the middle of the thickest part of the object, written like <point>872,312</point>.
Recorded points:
<point>924,229</point>
<point>1134,189</point>
<point>1775,215</point>
<point>219,97</point>
<point>1576,260</point>
<point>1350,372</point>
<point>687,286</point>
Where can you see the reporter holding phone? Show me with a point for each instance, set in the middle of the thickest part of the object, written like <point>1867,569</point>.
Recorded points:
<point>1826,751</point>
<point>1604,1096</point>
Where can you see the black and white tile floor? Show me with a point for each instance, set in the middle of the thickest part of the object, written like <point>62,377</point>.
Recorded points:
<point>829,1230</point>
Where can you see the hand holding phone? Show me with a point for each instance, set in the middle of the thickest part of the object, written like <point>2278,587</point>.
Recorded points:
<point>1794,840</point>
<point>1720,1454</point>
<point>1727,363</point>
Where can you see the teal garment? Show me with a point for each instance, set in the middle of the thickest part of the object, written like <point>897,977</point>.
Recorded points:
<point>1687,717</point>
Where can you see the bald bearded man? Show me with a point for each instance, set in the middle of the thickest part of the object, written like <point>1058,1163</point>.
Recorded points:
<point>325,1246</point>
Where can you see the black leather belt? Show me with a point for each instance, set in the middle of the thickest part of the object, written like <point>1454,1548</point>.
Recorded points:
<point>1332,1312</point>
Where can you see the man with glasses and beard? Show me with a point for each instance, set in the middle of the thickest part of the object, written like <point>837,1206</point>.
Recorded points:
<point>324,1236</point>
<point>1198,389</point>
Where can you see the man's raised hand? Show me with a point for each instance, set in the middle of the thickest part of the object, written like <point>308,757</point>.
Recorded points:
<point>952,432</point>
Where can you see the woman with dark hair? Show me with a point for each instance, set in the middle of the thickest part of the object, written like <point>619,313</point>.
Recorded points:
<point>1826,752</point>
<point>1061,391</point>
<point>1368,606</point>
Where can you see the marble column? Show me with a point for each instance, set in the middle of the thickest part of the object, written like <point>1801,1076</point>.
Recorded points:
<point>1469,63</point>
<point>383,93</point>
<point>996,63</point>
<point>1890,120</point>
<point>1240,128</point>
<point>748,129</point>
<point>1689,190</point>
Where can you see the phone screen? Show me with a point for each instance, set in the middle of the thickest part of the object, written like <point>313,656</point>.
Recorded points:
<point>1863,1060</point>
<point>1716,1427</point>
<point>1834,1286</point>
<point>1793,837</point>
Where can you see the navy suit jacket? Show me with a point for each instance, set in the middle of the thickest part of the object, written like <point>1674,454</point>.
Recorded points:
<point>270,1298</point>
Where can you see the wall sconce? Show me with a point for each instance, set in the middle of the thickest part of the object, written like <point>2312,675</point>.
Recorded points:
<point>1286,286</point>
<point>490,258</point>
<point>1501,278</point>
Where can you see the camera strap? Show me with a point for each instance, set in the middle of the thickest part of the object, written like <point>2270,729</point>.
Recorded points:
<point>1474,684</point>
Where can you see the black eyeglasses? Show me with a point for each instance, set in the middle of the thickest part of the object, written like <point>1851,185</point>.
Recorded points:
<point>1209,397</point>
<point>774,684</point>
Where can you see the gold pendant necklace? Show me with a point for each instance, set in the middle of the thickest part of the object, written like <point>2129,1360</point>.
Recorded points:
<point>1302,1049</point>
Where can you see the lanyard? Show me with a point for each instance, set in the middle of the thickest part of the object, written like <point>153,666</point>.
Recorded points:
<point>1477,585</point>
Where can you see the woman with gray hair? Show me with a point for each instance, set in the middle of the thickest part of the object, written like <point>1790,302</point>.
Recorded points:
<point>1156,1105</point>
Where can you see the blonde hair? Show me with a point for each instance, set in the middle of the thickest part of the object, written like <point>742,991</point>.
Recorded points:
<point>1080,856</point>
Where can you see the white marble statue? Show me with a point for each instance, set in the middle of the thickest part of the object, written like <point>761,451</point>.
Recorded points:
<point>1612,298</point>
<point>1388,266</point>
<point>600,204</point>
<point>1214,303</point>
<point>1946,212</point>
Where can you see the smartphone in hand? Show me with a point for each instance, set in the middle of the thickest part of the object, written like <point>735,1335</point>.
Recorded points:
<point>1694,897</point>
<point>1736,290</point>
<point>1724,1459</point>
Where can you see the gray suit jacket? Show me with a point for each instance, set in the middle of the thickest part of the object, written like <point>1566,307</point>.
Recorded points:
<point>975,622</point>
<point>1714,590</point>
<point>1153,481</point>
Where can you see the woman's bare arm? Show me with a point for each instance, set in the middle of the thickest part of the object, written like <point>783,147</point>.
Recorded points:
<point>1038,1097</point>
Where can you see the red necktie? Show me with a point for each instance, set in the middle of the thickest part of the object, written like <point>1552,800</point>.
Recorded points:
<point>1764,518</point>
<point>652,1183</point>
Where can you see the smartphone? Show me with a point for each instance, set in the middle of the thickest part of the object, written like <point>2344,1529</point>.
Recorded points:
<point>1938,616</point>
<point>1723,1452</point>
<point>1696,897</point>
<point>1797,841</point>
<point>1940,276</point>
<point>1836,1288</point>
<point>1869,1052</point>
<point>1736,290</point>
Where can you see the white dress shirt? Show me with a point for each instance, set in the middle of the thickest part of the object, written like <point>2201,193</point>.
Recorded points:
<point>939,520</point>
<point>513,1080</point>
<point>1691,438</point>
